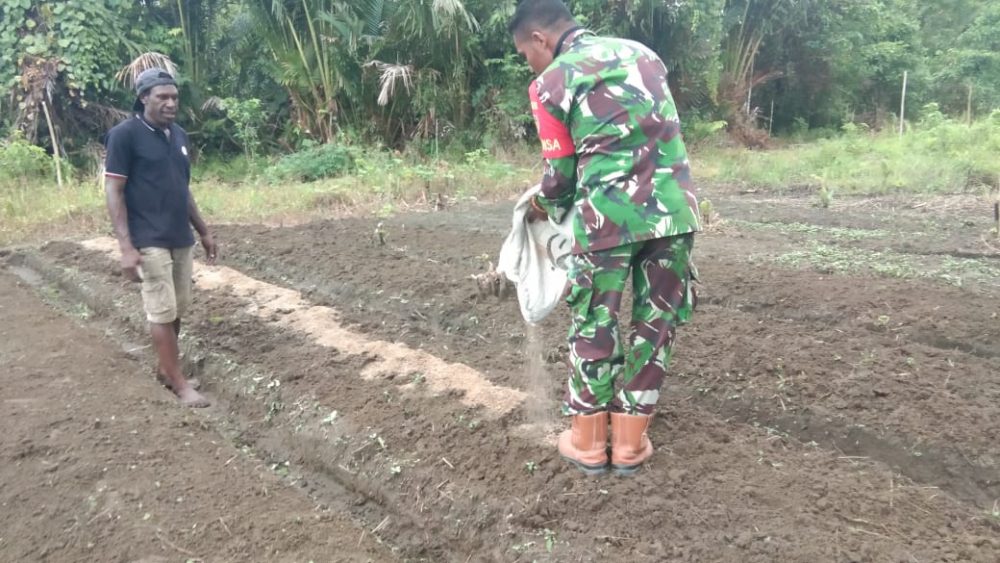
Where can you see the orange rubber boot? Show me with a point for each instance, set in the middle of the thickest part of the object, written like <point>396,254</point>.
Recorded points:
<point>630,445</point>
<point>585,444</point>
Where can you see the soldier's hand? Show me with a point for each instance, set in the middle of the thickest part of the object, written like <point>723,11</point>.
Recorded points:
<point>131,260</point>
<point>535,216</point>
<point>536,213</point>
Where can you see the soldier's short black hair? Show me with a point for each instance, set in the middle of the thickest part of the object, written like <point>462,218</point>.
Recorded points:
<point>543,13</point>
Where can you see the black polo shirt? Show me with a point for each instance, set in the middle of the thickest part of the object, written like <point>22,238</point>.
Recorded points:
<point>157,172</point>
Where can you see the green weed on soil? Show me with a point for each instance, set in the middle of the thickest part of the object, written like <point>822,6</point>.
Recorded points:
<point>835,260</point>
<point>838,233</point>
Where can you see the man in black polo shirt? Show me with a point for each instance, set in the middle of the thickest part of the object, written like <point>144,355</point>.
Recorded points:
<point>152,210</point>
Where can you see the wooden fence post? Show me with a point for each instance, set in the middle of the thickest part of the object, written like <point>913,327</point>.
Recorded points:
<point>902,104</point>
<point>968,107</point>
<point>55,144</point>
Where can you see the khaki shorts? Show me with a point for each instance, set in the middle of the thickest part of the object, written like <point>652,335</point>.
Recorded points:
<point>166,282</point>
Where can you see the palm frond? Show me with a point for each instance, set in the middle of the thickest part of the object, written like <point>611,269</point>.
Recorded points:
<point>374,17</point>
<point>213,103</point>
<point>130,72</point>
<point>389,76</point>
<point>452,10</point>
<point>501,15</point>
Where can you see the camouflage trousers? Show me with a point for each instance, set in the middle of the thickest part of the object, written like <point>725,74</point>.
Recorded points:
<point>663,299</point>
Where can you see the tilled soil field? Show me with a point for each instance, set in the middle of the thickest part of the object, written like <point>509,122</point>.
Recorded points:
<point>98,464</point>
<point>835,399</point>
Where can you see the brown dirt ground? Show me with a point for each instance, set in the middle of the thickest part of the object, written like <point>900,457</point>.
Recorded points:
<point>812,415</point>
<point>99,465</point>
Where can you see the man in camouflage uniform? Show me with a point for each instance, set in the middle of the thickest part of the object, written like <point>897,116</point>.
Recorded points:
<point>612,149</point>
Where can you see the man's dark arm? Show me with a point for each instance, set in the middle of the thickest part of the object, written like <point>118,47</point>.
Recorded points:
<point>114,191</point>
<point>207,240</point>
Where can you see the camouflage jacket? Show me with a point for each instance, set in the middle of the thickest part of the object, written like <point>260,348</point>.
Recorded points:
<point>612,144</point>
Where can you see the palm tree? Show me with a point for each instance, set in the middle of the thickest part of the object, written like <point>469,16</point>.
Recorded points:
<point>422,51</point>
<point>314,44</point>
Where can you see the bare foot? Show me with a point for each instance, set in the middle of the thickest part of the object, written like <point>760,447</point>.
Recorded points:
<point>193,399</point>
<point>162,378</point>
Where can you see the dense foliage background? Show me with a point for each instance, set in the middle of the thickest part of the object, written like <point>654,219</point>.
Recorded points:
<point>275,76</point>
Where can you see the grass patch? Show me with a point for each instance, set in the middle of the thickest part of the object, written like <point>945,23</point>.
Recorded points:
<point>938,156</point>
<point>36,209</point>
<point>834,260</point>
<point>838,233</point>
<point>240,191</point>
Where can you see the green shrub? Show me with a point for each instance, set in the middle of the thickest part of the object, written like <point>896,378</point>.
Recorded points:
<point>20,159</point>
<point>314,163</point>
<point>233,170</point>
<point>696,130</point>
<point>248,116</point>
<point>931,116</point>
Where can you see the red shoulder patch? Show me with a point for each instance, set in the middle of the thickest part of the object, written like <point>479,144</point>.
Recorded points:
<point>556,139</point>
